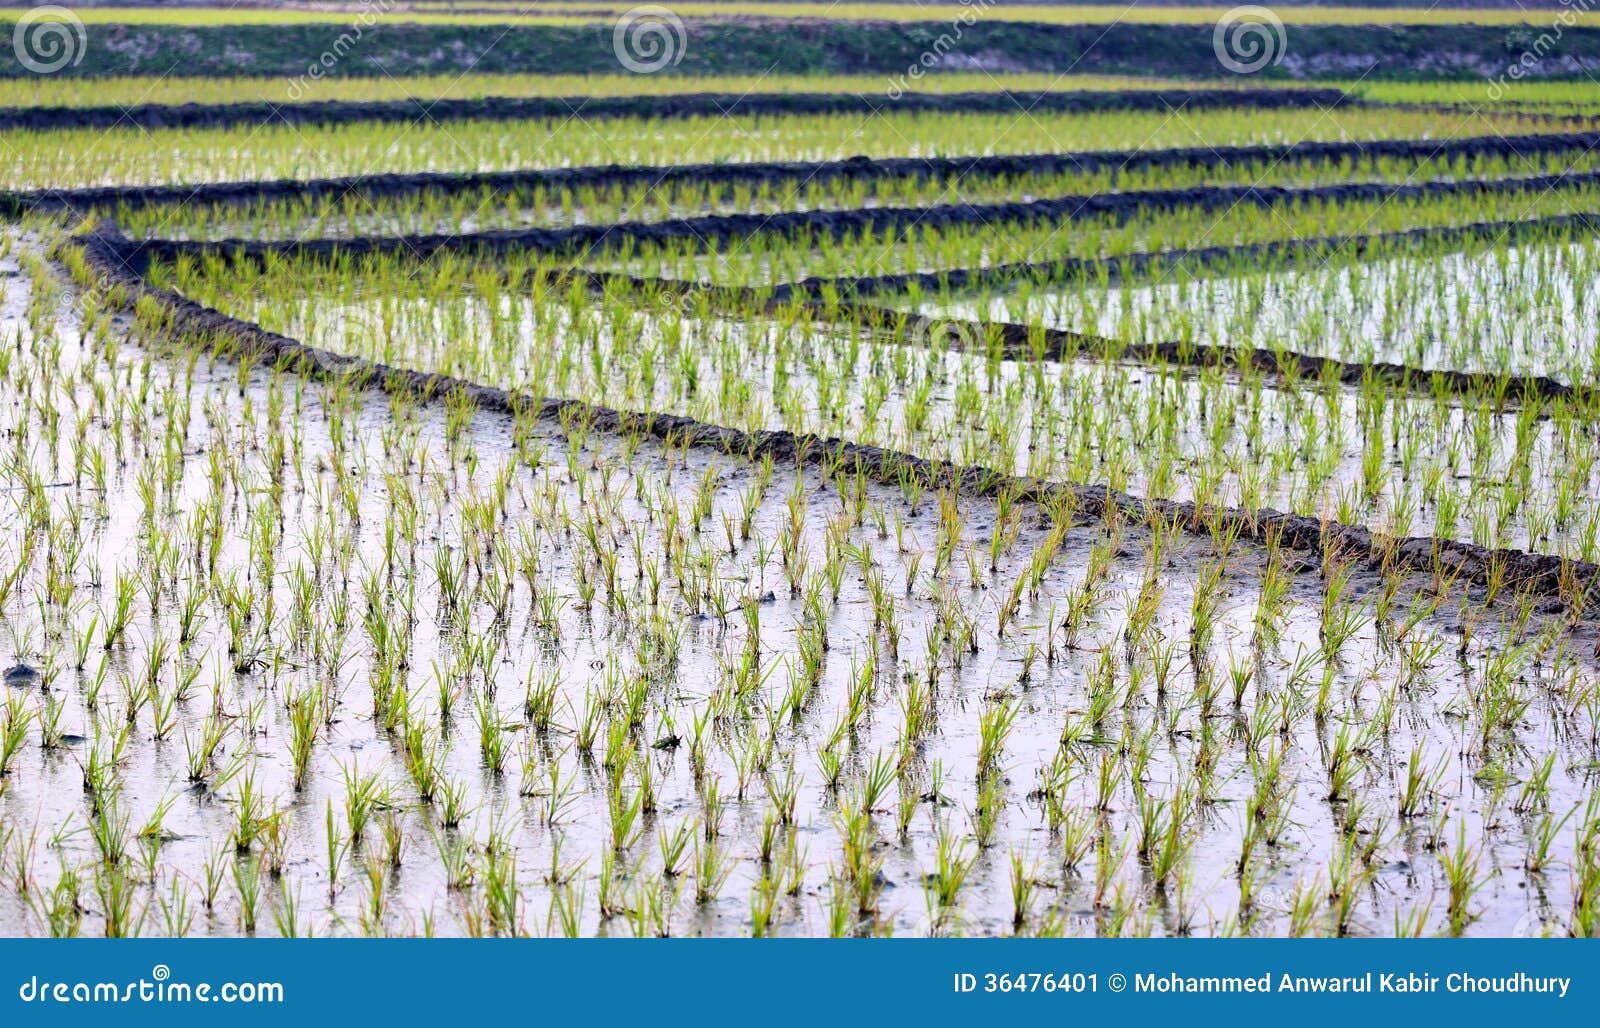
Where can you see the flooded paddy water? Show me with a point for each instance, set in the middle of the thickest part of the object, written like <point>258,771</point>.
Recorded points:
<point>314,659</point>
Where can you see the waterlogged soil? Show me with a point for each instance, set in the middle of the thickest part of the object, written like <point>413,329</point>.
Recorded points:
<point>364,508</point>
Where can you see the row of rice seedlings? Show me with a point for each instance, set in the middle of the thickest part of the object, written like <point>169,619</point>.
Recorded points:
<point>89,157</point>
<point>1529,94</point>
<point>1491,309</point>
<point>767,258</point>
<point>73,91</point>
<point>484,209</point>
<point>1473,467</point>
<point>480,675</point>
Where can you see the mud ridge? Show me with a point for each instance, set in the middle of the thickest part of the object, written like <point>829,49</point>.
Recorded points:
<point>1023,342</point>
<point>682,105</point>
<point>104,252</point>
<point>1256,257</point>
<point>712,229</point>
<point>89,199</point>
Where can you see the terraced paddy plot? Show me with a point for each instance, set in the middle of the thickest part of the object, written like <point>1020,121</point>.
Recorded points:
<point>1533,95</point>
<point>67,91</point>
<point>71,157</point>
<point>955,244</point>
<point>1524,311</point>
<point>64,91</point>
<point>595,196</point>
<point>76,92</point>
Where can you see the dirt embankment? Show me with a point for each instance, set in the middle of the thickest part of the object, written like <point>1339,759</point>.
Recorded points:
<point>896,50</point>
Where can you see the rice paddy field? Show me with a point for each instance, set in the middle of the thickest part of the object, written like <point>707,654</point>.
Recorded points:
<point>1107,518</point>
<point>501,12</point>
